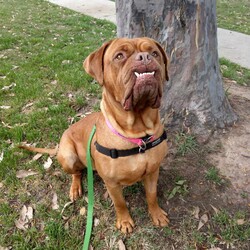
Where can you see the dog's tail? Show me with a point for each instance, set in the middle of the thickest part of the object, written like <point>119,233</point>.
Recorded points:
<point>50,151</point>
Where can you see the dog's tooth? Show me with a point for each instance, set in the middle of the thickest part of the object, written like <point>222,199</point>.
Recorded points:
<point>144,73</point>
<point>137,74</point>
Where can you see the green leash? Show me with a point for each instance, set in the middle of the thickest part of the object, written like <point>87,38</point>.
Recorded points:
<point>90,193</point>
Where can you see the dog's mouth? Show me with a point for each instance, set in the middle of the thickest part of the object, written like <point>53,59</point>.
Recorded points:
<point>144,90</point>
<point>144,74</point>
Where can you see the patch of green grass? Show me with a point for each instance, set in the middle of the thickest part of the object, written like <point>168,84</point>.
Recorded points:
<point>42,81</point>
<point>185,143</point>
<point>213,175</point>
<point>234,15</point>
<point>232,228</point>
<point>235,72</point>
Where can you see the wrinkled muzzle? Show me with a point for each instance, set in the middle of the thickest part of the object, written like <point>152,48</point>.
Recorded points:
<point>146,92</point>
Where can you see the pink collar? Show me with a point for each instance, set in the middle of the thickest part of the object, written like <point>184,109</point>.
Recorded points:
<point>141,142</point>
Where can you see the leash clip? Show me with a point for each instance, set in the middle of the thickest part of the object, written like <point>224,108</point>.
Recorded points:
<point>142,147</point>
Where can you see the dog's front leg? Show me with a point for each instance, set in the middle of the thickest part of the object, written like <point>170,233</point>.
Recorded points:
<point>158,215</point>
<point>124,221</point>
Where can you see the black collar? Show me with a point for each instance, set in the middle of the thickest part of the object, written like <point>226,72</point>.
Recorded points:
<point>115,153</point>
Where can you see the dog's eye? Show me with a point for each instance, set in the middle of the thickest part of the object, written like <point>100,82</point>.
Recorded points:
<point>155,54</point>
<point>119,56</point>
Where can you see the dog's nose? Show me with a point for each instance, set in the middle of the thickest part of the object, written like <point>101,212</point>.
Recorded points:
<point>144,57</point>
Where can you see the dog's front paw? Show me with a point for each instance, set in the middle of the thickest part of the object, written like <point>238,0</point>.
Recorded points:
<point>75,192</point>
<point>159,217</point>
<point>125,224</point>
<point>76,188</point>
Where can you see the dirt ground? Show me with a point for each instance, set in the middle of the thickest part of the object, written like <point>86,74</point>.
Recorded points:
<point>233,159</point>
<point>229,151</point>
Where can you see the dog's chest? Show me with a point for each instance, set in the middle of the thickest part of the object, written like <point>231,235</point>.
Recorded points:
<point>128,170</point>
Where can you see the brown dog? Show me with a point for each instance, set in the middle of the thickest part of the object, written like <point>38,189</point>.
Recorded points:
<point>132,73</point>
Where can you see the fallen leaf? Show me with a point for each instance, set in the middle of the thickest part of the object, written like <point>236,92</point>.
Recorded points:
<point>54,82</point>
<point>5,107</point>
<point>66,225</point>
<point>14,67</point>
<point>66,62</point>
<point>24,173</point>
<point>5,125</point>
<point>36,157</point>
<point>121,245</point>
<point>96,222</point>
<point>216,210</point>
<point>203,221</point>
<point>48,163</point>
<point>55,205</point>
<point>23,212</point>
<point>240,222</point>
<point>26,215</point>
<point>83,211</point>
<point>215,248</point>
<point>28,105</point>
<point>1,184</point>
<point>20,225</point>
<point>5,248</point>
<point>1,156</point>
<point>86,199</point>
<point>8,86</point>
<point>196,213</point>
<point>29,213</point>
<point>66,205</point>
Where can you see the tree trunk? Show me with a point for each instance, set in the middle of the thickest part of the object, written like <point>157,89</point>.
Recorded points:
<point>194,97</point>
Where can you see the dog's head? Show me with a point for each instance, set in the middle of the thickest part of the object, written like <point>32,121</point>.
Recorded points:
<point>132,70</point>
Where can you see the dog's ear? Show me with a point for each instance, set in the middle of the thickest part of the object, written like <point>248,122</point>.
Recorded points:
<point>165,59</point>
<point>93,64</point>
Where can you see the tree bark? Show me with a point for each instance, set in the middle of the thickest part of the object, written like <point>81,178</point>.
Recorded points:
<point>194,97</point>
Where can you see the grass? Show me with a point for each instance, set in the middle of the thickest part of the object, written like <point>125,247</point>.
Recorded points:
<point>234,15</point>
<point>213,175</point>
<point>43,87</point>
<point>235,72</point>
<point>186,143</point>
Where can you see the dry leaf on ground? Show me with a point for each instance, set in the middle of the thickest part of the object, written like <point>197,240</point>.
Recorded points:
<point>26,215</point>
<point>37,156</point>
<point>1,156</point>
<point>55,205</point>
<point>5,107</point>
<point>83,211</point>
<point>28,105</point>
<point>203,221</point>
<point>5,248</point>
<point>8,86</point>
<point>66,205</point>
<point>216,210</point>
<point>121,245</point>
<point>240,222</point>
<point>96,222</point>
<point>25,173</point>
<point>196,212</point>
<point>48,163</point>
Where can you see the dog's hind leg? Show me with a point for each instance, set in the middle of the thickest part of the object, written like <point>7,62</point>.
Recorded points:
<point>70,162</point>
